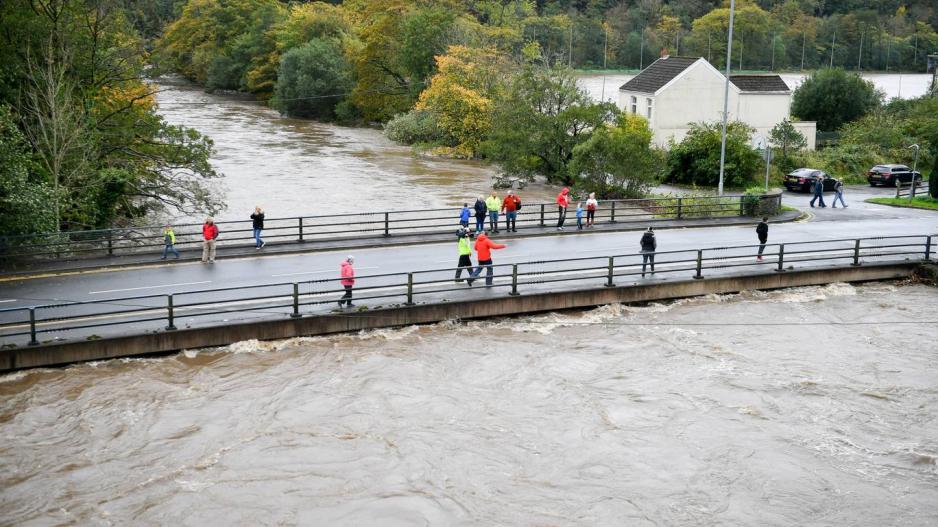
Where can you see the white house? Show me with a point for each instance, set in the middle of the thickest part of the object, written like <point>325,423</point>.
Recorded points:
<point>675,91</point>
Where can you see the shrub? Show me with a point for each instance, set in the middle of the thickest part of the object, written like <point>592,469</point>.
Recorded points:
<point>413,127</point>
<point>696,159</point>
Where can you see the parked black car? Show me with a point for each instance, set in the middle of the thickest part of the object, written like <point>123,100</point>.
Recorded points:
<point>803,179</point>
<point>888,175</point>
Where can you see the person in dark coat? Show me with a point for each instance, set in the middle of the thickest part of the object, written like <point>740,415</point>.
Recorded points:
<point>481,212</point>
<point>762,231</point>
<point>818,192</point>
<point>649,246</point>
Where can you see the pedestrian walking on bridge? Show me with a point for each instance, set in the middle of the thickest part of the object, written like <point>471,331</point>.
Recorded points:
<point>649,246</point>
<point>493,204</point>
<point>839,194</point>
<point>484,247</point>
<point>762,231</point>
<point>818,192</point>
<point>464,248</point>
<point>481,209</point>
<point>209,237</point>
<point>347,273</point>
<point>257,221</point>
<point>169,242</point>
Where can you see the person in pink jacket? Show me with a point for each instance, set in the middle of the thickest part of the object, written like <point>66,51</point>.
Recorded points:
<point>348,281</point>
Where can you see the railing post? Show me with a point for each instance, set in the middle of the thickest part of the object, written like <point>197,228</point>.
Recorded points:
<point>781,258</point>
<point>699,274</point>
<point>542,214</point>
<point>410,289</point>
<point>927,248</point>
<point>680,205</point>
<point>612,267</point>
<point>613,218</point>
<point>296,301</point>
<point>110,242</point>
<point>387,223</point>
<point>514,280</point>
<point>300,225</point>
<point>32,327</point>
<point>856,254</point>
<point>742,205</point>
<point>170,318</point>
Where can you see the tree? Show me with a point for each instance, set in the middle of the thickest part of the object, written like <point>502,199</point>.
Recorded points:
<point>462,95</point>
<point>312,80</point>
<point>696,159</point>
<point>541,119</point>
<point>785,136</point>
<point>833,97</point>
<point>26,205</point>
<point>617,161</point>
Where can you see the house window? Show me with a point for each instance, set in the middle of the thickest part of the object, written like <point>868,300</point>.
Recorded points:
<point>634,104</point>
<point>649,102</point>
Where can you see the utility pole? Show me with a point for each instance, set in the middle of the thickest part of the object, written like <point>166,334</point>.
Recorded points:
<point>833,43</point>
<point>708,48</point>
<point>804,36</point>
<point>773,53</point>
<point>570,56</point>
<point>860,54</point>
<point>641,51</point>
<point>602,96</point>
<point>914,165</point>
<point>726,96</point>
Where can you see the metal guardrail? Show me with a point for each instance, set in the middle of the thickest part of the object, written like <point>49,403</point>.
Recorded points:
<point>300,229</point>
<point>908,190</point>
<point>161,311</point>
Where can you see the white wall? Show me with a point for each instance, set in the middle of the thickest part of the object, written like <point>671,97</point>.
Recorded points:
<point>697,96</point>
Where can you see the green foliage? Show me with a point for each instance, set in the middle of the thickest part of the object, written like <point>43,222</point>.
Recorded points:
<point>26,205</point>
<point>617,161</point>
<point>543,117</point>
<point>312,80</point>
<point>786,138</point>
<point>833,97</point>
<point>933,180</point>
<point>696,159</point>
<point>414,127</point>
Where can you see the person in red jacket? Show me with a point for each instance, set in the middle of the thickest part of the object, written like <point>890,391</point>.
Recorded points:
<point>510,206</point>
<point>563,201</point>
<point>484,247</point>
<point>348,280</point>
<point>209,235</point>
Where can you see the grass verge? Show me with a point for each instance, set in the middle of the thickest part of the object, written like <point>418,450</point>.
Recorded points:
<point>919,202</point>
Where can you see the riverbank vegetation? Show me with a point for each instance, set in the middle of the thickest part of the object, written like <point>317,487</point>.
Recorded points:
<point>81,142</point>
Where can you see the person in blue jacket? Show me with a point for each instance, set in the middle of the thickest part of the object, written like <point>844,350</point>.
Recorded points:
<point>464,215</point>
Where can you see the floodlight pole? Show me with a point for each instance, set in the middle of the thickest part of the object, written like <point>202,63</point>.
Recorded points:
<point>726,96</point>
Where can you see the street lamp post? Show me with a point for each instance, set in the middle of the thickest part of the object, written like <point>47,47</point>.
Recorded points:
<point>914,165</point>
<point>726,96</point>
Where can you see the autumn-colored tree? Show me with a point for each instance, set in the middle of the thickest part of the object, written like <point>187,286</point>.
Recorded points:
<point>462,95</point>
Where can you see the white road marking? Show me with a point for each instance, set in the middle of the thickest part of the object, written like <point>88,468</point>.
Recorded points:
<point>148,287</point>
<point>9,300</point>
<point>319,272</point>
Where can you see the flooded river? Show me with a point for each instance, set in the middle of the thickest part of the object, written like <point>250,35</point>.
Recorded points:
<point>293,167</point>
<point>795,407</point>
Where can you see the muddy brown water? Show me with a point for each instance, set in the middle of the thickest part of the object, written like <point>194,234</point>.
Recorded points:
<point>656,415</point>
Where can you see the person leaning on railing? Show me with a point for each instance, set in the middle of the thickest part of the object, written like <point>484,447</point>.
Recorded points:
<point>209,235</point>
<point>649,246</point>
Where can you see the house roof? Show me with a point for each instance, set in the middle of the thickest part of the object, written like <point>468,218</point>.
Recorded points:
<point>659,73</point>
<point>759,83</point>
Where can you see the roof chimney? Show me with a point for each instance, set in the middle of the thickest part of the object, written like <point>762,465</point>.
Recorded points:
<point>664,53</point>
